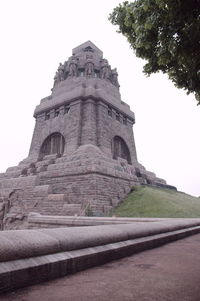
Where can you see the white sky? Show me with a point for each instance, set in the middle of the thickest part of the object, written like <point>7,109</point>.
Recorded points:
<point>38,34</point>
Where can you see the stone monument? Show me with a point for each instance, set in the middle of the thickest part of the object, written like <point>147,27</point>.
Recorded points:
<point>82,158</point>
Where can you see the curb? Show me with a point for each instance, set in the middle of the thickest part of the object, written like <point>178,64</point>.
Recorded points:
<point>28,271</point>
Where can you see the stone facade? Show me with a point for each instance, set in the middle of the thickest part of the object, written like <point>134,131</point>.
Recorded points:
<point>82,158</point>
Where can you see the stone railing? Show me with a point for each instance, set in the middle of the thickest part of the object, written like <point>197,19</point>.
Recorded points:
<point>33,256</point>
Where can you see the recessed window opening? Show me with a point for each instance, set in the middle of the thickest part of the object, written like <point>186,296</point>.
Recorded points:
<point>120,149</point>
<point>53,144</point>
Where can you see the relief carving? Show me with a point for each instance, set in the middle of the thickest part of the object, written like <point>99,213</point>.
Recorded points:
<point>88,66</point>
<point>14,210</point>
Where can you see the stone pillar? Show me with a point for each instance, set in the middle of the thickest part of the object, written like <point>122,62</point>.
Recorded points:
<point>88,129</point>
<point>103,140</point>
<point>73,128</point>
<point>34,148</point>
<point>131,139</point>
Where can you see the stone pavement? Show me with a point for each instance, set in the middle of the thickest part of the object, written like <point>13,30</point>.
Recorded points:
<point>167,273</point>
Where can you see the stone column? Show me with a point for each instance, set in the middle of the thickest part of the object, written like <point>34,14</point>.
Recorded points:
<point>34,148</point>
<point>73,127</point>
<point>131,139</point>
<point>103,140</point>
<point>89,131</point>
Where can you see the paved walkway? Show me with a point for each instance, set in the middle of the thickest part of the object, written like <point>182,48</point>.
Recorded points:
<point>168,273</point>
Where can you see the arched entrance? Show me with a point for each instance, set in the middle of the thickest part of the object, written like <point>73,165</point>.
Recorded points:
<point>120,149</point>
<point>53,144</point>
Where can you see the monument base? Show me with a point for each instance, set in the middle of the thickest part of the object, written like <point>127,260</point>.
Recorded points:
<point>85,183</point>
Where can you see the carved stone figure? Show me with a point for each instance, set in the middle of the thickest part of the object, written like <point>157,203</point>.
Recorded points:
<point>105,70</point>
<point>14,209</point>
<point>73,70</point>
<point>65,69</point>
<point>89,69</point>
<point>61,69</point>
<point>115,78</point>
<point>88,66</point>
<point>56,79</point>
<point>59,76</point>
<point>15,201</point>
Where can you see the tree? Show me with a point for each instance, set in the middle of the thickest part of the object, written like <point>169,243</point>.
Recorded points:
<point>166,33</point>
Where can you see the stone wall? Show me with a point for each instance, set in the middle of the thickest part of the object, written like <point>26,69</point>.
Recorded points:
<point>101,192</point>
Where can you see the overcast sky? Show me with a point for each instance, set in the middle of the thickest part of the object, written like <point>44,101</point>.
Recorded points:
<point>38,34</point>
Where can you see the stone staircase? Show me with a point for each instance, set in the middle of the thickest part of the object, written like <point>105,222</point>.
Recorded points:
<point>56,204</point>
<point>42,197</point>
<point>52,204</point>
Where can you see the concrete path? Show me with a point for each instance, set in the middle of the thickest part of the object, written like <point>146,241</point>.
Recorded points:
<point>168,273</point>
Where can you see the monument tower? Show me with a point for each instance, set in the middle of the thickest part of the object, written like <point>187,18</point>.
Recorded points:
<point>82,156</point>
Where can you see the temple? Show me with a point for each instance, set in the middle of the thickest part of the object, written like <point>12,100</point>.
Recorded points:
<point>82,158</point>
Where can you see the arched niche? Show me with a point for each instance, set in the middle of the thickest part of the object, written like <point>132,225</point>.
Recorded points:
<point>120,149</point>
<point>53,144</point>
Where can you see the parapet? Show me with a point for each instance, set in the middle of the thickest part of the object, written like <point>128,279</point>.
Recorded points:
<point>32,256</point>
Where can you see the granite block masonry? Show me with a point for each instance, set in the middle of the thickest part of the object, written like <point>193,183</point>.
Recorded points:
<point>82,158</point>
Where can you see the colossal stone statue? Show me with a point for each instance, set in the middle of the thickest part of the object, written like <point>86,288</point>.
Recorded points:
<point>59,76</point>
<point>61,72</point>
<point>73,71</point>
<point>114,78</point>
<point>88,65</point>
<point>89,68</point>
<point>105,70</point>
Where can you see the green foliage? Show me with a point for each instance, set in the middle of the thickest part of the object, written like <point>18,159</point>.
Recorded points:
<point>166,33</point>
<point>156,202</point>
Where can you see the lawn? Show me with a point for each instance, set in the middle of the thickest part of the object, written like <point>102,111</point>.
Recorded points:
<point>147,201</point>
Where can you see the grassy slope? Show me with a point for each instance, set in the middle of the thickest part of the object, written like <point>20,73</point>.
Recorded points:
<point>155,202</point>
